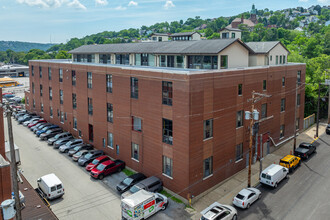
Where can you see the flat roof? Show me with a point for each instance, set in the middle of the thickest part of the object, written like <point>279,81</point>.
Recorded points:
<point>161,69</point>
<point>137,198</point>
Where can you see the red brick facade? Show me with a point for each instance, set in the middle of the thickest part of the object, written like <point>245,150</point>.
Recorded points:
<point>197,96</point>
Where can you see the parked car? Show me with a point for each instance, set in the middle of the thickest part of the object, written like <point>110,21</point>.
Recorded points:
<point>15,99</point>
<point>291,162</point>
<point>37,122</point>
<point>26,117</point>
<point>151,184</point>
<point>8,96</point>
<point>126,184</point>
<point>50,133</point>
<point>96,162</point>
<point>58,136</point>
<point>51,186</point>
<point>106,168</point>
<point>26,123</point>
<point>18,114</point>
<point>76,149</point>
<point>45,129</point>
<point>79,154</point>
<point>273,174</point>
<point>70,145</point>
<point>327,130</point>
<point>304,150</point>
<point>62,141</point>
<point>246,197</point>
<point>217,211</point>
<point>41,126</point>
<point>83,161</point>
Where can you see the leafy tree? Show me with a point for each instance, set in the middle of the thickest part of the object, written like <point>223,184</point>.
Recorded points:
<point>62,55</point>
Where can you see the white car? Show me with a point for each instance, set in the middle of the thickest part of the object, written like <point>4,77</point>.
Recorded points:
<point>246,197</point>
<point>217,211</point>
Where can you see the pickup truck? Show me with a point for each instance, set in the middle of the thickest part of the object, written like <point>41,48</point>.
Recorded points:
<point>304,150</point>
<point>106,168</point>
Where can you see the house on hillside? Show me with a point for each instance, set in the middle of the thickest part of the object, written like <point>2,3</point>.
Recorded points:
<point>249,22</point>
<point>185,36</point>
<point>226,33</point>
<point>159,37</point>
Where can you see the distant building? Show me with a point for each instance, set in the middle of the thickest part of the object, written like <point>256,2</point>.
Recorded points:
<point>226,33</point>
<point>159,37</point>
<point>14,70</point>
<point>249,22</point>
<point>185,36</point>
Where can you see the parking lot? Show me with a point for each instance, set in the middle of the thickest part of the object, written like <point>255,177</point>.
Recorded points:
<point>85,197</point>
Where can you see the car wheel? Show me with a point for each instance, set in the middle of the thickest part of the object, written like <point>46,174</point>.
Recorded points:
<point>275,186</point>
<point>66,151</point>
<point>259,197</point>
<point>164,206</point>
<point>248,206</point>
<point>101,177</point>
<point>234,217</point>
<point>85,164</point>
<point>286,176</point>
<point>119,169</point>
<point>307,156</point>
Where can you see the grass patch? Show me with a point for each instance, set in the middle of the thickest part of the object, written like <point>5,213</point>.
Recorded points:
<point>128,172</point>
<point>165,193</point>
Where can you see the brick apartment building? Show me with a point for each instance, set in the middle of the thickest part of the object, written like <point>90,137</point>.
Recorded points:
<point>172,109</point>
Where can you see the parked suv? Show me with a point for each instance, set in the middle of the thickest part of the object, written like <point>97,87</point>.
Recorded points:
<point>45,129</point>
<point>62,141</point>
<point>50,133</point>
<point>96,162</point>
<point>57,137</point>
<point>126,184</point>
<point>151,184</point>
<point>106,168</point>
<point>79,148</point>
<point>71,144</point>
<point>291,162</point>
<point>83,161</point>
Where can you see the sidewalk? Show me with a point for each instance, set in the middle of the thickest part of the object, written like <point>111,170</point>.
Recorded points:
<point>225,192</point>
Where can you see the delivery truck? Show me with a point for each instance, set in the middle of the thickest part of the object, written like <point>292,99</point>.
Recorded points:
<point>142,205</point>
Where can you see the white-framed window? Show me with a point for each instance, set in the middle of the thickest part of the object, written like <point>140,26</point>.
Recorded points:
<point>167,166</point>
<point>282,130</point>
<point>135,151</point>
<point>208,167</point>
<point>283,105</point>
<point>239,119</point>
<point>208,128</point>
<point>239,152</point>
<point>137,123</point>
<point>74,123</point>
<point>110,140</point>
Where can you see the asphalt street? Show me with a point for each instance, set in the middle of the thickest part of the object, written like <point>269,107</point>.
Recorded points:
<point>304,195</point>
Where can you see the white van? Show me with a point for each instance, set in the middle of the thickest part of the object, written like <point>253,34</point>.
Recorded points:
<point>273,174</point>
<point>51,186</point>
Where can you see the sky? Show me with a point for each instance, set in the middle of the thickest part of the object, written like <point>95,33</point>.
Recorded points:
<point>57,21</point>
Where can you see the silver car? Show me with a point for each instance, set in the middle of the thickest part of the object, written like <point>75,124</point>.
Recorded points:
<point>246,197</point>
<point>79,154</point>
<point>217,211</point>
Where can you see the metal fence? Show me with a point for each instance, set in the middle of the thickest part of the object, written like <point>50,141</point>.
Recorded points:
<point>310,120</point>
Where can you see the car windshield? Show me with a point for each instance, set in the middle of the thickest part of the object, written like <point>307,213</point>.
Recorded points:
<point>134,189</point>
<point>283,161</point>
<point>76,148</point>
<point>127,181</point>
<point>89,155</point>
<point>100,167</point>
<point>49,131</point>
<point>45,128</point>
<point>57,136</point>
<point>78,153</point>
<point>239,196</point>
<point>68,143</point>
<point>95,162</point>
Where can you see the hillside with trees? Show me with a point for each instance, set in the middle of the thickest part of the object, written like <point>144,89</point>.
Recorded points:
<point>18,46</point>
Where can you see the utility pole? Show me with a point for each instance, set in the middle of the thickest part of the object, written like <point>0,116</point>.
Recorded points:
<point>261,154</point>
<point>295,121</point>
<point>318,112</point>
<point>250,144</point>
<point>13,165</point>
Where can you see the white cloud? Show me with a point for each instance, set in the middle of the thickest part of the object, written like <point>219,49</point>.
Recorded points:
<point>326,2</point>
<point>169,4</point>
<point>101,2</point>
<point>303,0</point>
<point>53,3</point>
<point>132,3</point>
<point>76,4</point>
<point>120,8</point>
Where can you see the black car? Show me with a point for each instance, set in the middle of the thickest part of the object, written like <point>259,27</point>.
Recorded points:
<point>79,148</point>
<point>126,184</point>
<point>304,150</point>
<point>327,130</point>
<point>50,133</point>
<point>83,161</point>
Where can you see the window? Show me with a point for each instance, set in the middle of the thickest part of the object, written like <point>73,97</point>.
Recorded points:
<point>40,90</point>
<point>89,80</point>
<point>271,58</point>
<point>239,119</point>
<point>134,87</point>
<point>109,112</point>
<point>298,99</point>
<point>282,131</point>
<point>137,124</point>
<point>49,73</point>
<point>74,123</point>
<point>207,167</point>
<point>51,111</point>
<point>42,107</point>
<point>224,62</point>
<point>62,117</point>
<point>299,77</point>
<point>239,151</point>
<point>65,116</point>
<point>167,93</point>
<point>60,75</point>
<point>282,105</point>
<point>40,71</point>
<point>264,84</point>
<point>79,133</point>
<point>208,128</point>
<point>283,59</point>
<point>232,35</point>
<point>109,83</point>
<point>27,100</point>
<point>167,166</point>
<point>74,101</point>
<point>50,93</point>
<point>61,96</point>
<point>90,133</point>
<point>110,140</point>
<point>34,103</point>
<point>167,131</point>
<point>264,111</point>
<point>283,81</point>
<point>33,87</point>
<point>117,149</point>
<point>74,77</point>
<point>90,106</point>
<point>135,151</point>
<point>276,59</point>
<point>280,59</point>
<point>297,123</point>
<point>103,141</point>
<point>32,70</point>
<point>58,113</point>
<point>240,89</point>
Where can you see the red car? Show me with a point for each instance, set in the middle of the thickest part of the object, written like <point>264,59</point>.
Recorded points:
<point>37,122</point>
<point>96,162</point>
<point>107,168</point>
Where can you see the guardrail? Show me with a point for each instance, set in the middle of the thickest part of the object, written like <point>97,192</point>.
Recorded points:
<point>308,121</point>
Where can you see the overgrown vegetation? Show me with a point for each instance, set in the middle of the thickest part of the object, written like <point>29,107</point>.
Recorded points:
<point>128,172</point>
